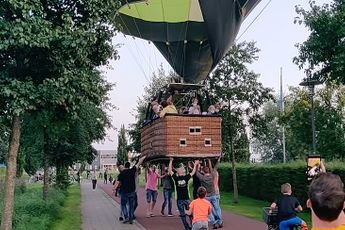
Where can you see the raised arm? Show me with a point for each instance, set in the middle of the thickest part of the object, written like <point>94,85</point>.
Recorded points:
<point>210,165</point>
<point>170,171</point>
<point>299,208</point>
<point>141,160</point>
<point>196,163</point>
<point>217,163</point>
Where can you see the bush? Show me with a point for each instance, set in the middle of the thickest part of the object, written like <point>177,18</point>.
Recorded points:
<point>32,212</point>
<point>262,181</point>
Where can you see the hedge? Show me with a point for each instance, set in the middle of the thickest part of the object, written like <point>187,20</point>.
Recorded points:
<point>262,181</point>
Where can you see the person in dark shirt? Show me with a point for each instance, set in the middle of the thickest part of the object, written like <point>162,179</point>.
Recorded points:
<point>181,183</point>
<point>287,206</point>
<point>168,189</point>
<point>126,180</point>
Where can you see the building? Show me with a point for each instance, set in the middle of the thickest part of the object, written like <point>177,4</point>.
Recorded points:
<point>105,159</point>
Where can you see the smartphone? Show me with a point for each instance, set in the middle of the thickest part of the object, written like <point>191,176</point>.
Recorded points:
<point>313,166</point>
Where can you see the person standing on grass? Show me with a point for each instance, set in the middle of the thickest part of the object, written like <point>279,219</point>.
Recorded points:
<point>168,189</point>
<point>151,189</point>
<point>181,183</point>
<point>127,182</point>
<point>200,209</point>
<point>207,181</point>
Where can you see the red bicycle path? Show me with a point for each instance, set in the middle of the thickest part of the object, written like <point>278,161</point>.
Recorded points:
<point>158,222</point>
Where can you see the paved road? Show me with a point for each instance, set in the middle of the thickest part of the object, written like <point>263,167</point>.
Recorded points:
<point>231,221</point>
<point>100,212</point>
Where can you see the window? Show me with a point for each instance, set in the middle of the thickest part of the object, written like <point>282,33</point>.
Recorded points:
<point>183,142</point>
<point>195,130</point>
<point>208,142</point>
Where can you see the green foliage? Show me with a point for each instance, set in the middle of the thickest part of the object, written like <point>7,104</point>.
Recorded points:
<point>330,125</point>
<point>70,215</point>
<point>32,212</point>
<point>262,181</point>
<point>322,55</point>
<point>240,96</point>
<point>122,148</point>
<point>157,81</point>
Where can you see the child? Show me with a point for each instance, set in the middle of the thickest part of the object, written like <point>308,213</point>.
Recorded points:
<point>287,207</point>
<point>200,209</point>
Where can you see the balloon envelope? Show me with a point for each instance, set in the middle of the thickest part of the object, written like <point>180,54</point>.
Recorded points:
<point>192,35</point>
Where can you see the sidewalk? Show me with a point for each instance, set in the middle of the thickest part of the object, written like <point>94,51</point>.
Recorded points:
<point>101,212</point>
<point>231,221</point>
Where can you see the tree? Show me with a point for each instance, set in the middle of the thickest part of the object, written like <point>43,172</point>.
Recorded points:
<point>329,117</point>
<point>49,52</point>
<point>240,96</point>
<point>157,81</point>
<point>322,55</point>
<point>268,142</point>
<point>122,148</point>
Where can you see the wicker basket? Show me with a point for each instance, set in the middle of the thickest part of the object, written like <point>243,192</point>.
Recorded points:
<point>190,136</point>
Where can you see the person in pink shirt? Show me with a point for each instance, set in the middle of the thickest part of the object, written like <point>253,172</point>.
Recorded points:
<point>152,177</point>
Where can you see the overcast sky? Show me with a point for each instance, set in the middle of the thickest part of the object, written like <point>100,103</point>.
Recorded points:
<point>275,34</point>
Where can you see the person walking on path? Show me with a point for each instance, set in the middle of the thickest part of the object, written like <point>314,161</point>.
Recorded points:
<point>200,209</point>
<point>168,188</point>
<point>105,177</point>
<point>207,181</point>
<point>94,180</point>
<point>151,189</point>
<point>127,182</point>
<point>181,183</point>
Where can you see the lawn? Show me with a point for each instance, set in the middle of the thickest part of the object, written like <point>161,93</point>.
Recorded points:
<point>251,208</point>
<point>70,214</point>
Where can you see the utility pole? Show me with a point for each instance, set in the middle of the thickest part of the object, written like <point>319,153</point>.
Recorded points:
<point>282,112</point>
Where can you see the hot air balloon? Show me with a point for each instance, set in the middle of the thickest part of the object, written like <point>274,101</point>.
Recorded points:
<point>192,35</point>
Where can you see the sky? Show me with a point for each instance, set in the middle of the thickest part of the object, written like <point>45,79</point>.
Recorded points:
<point>274,32</point>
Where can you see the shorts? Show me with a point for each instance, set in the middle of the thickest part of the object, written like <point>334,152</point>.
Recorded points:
<point>151,195</point>
<point>200,225</point>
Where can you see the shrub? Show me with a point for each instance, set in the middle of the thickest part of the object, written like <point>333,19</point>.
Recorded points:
<point>262,181</point>
<point>32,212</point>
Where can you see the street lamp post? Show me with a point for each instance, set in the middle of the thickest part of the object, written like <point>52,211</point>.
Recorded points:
<point>310,83</point>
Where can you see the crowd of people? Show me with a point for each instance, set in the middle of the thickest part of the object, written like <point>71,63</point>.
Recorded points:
<point>167,106</point>
<point>326,197</point>
<point>173,179</point>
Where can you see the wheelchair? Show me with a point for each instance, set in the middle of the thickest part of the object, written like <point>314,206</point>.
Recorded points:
<point>271,219</point>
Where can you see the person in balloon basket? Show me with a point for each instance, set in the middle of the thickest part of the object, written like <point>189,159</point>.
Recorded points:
<point>326,201</point>
<point>181,180</point>
<point>200,209</point>
<point>287,206</point>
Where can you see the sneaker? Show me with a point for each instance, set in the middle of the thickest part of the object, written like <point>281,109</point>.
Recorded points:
<point>152,215</point>
<point>120,218</point>
<point>131,222</point>
<point>220,225</point>
<point>170,215</point>
<point>215,226</point>
<point>125,221</point>
<point>148,215</point>
<point>162,213</point>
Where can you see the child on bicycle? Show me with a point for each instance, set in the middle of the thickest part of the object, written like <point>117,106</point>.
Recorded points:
<point>287,206</point>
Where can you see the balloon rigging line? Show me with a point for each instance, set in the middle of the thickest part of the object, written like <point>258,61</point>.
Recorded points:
<point>263,9</point>
<point>135,56</point>
<point>137,28</point>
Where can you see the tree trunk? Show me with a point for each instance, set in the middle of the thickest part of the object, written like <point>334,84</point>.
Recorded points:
<point>234,175</point>
<point>233,160</point>
<point>11,174</point>
<point>45,177</point>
